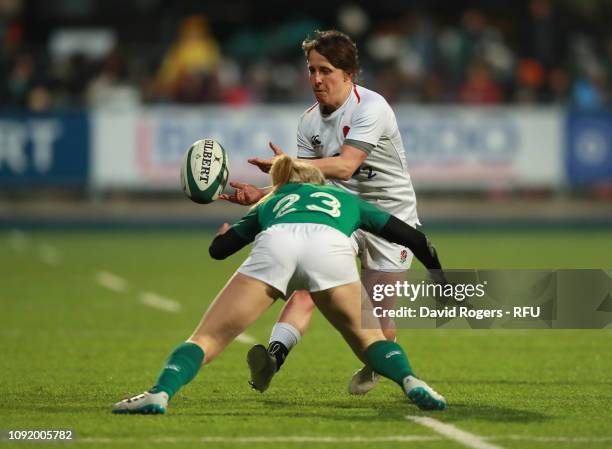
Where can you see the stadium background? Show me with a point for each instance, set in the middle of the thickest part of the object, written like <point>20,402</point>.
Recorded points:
<point>504,109</point>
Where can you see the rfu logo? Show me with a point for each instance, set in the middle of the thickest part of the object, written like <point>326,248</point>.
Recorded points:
<point>316,142</point>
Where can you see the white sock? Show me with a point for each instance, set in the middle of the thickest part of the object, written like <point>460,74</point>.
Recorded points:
<point>286,334</point>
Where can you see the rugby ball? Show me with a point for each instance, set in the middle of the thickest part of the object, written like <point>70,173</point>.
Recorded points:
<point>204,171</point>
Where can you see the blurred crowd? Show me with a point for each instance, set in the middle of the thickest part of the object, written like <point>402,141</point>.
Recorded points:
<point>543,52</point>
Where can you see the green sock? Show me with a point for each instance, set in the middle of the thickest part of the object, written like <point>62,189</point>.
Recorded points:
<point>389,359</point>
<point>180,368</point>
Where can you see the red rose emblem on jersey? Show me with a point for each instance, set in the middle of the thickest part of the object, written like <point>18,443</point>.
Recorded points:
<point>403,256</point>
<point>345,130</point>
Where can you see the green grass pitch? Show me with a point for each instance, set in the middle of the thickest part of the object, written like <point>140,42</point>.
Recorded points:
<point>71,348</point>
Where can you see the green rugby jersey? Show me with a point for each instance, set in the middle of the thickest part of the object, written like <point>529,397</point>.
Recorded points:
<point>310,203</point>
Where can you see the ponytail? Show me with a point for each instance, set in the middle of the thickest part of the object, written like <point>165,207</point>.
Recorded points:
<point>281,171</point>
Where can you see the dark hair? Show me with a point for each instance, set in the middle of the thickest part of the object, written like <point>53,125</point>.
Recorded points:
<point>337,47</point>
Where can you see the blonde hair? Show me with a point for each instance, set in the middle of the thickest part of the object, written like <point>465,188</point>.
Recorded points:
<point>286,170</point>
<point>292,171</point>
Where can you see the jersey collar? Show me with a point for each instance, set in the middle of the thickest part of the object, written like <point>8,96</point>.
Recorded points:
<point>352,92</point>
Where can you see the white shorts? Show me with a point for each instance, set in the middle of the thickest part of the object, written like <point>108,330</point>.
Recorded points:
<point>379,254</point>
<point>310,256</point>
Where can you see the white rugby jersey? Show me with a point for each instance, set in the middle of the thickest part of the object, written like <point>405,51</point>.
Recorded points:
<point>364,121</point>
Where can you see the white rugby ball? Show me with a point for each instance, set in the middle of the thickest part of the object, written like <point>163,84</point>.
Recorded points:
<point>204,171</point>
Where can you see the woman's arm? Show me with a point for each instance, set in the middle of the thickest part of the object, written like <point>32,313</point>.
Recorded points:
<point>245,194</point>
<point>341,167</point>
<point>397,231</point>
<point>226,244</point>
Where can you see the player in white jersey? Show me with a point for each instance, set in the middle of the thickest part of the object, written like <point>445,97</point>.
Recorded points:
<point>365,121</point>
<point>351,134</point>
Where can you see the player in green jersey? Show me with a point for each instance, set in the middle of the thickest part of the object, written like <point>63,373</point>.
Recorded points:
<point>301,235</point>
<point>351,134</point>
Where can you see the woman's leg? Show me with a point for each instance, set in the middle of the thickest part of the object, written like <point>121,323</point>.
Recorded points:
<point>342,307</point>
<point>370,278</point>
<point>366,378</point>
<point>240,302</point>
<point>236,307</point>
<point>297,311</point>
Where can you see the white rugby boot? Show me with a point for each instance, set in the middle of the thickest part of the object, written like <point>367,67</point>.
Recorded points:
<point>425,397</point>
<point>363,380</point>
<point>146,403</point>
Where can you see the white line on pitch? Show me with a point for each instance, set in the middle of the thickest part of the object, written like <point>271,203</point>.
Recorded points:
<point>17,240</point>
<point>551,439</point>
<point>265,439</point>
<point>453,433</point>
<point>111,281</point>
<point>246,339</point>
<point>49,254</point>
<point>169,305</point>
<point>159,302</point>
